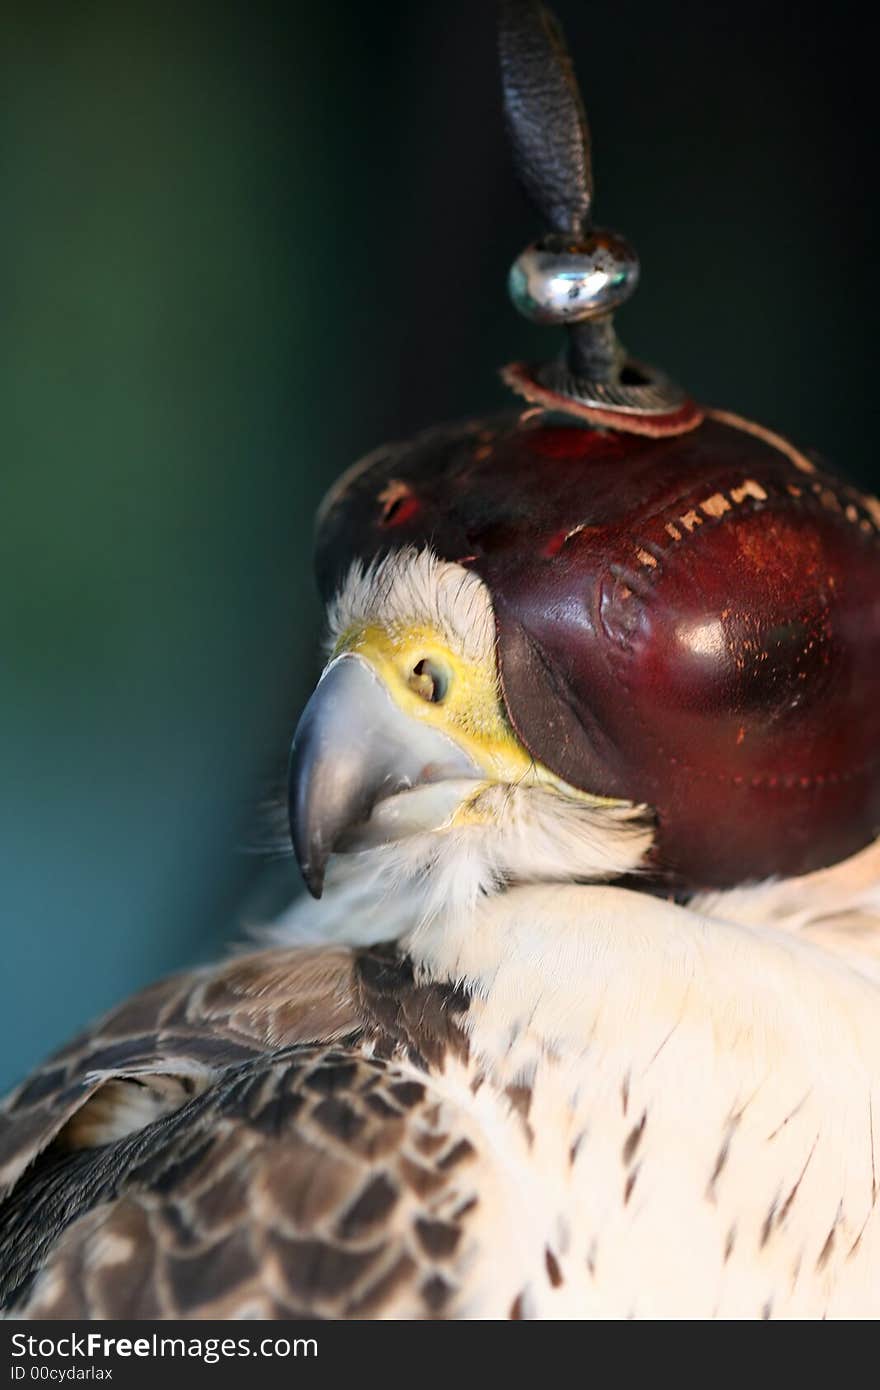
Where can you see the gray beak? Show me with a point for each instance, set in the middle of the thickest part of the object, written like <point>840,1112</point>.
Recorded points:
<point>353,748</point>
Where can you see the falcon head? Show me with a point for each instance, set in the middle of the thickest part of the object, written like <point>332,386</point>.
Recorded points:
<point>565,652</point>
<point>405,760</point>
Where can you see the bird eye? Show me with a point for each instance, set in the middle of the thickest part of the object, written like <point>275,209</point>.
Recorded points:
<point>429,680</point>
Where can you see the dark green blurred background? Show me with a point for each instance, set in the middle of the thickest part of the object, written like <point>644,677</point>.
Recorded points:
<point>242,244</point>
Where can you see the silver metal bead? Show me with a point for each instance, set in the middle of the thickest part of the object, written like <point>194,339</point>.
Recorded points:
<point>559,281</point>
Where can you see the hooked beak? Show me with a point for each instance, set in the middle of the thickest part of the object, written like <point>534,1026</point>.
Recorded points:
<point>354,748</point>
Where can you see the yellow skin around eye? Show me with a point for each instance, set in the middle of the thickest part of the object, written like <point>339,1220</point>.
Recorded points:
<point>471,712</point>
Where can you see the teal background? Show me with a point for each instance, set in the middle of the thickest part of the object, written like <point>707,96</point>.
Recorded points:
<point>242,244</point>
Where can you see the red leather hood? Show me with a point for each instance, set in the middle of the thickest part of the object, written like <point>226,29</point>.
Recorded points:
<point>692,622</point>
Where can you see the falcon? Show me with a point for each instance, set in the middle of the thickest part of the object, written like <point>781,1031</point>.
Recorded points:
<point>582,1016</point>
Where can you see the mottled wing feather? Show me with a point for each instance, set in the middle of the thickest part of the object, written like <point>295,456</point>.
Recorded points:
<point>190,1025</point>
<point>319,1183</point>
<point>302,1180</point>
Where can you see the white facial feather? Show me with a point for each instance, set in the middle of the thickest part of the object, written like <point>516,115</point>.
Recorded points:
<point>410,588</point>
<point>528,834</point>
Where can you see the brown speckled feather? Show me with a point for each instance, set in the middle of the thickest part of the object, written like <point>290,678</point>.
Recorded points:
<point>295,1166</point>
<point>193,1025</point>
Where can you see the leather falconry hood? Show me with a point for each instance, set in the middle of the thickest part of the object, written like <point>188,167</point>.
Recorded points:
<point>688,610</point>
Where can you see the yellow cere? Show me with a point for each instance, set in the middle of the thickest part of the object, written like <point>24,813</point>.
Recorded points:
<point>461,698</point>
